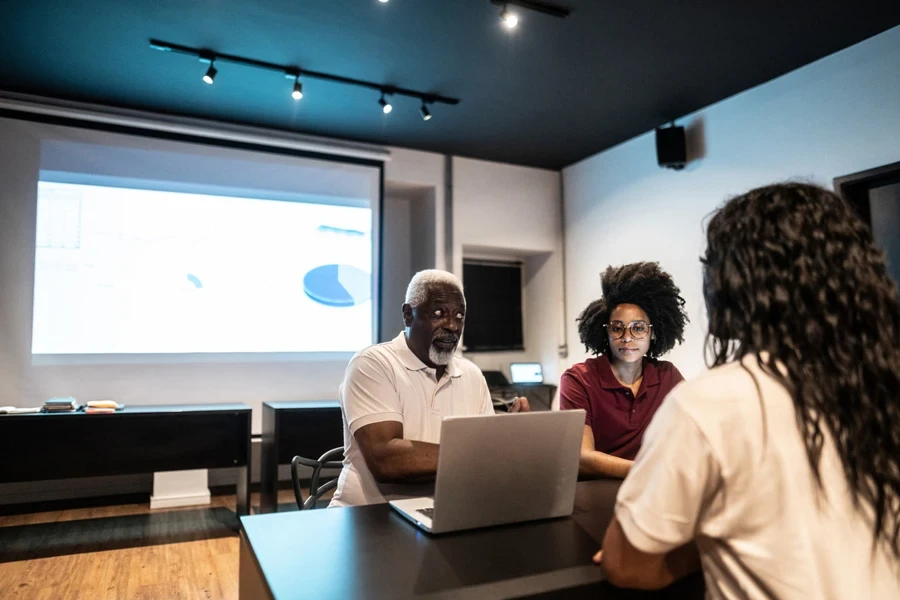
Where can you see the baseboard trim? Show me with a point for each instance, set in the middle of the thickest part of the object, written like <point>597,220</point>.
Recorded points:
<point>179,501</point>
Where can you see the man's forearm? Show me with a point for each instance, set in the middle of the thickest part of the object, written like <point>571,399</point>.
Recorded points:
<point>406,461</point>
<point>596,463</point>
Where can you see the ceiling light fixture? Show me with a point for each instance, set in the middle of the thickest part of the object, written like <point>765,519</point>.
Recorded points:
<point>383,1</point>
<point>294,73</point>
<point>511,19</point>
<point>386,107</point>
<point>508,18</point>
<point>297,92</point>
<point>210,75</point>
<point>426,114</point>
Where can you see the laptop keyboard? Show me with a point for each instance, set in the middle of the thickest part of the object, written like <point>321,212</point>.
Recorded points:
<point>428,512</point>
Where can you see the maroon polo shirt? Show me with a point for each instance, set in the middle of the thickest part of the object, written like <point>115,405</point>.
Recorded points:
<point>617,418</point>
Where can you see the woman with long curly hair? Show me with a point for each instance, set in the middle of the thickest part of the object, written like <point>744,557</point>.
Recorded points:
<point>639,318</point>
<point>779,469</point>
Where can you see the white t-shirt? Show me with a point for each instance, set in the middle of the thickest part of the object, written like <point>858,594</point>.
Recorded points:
<point>387,382</point>
<point>726,466</point>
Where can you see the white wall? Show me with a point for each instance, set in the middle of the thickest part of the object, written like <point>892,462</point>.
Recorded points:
<point>422,170</point>
<point>837,116</point>
<point>408,247</point>
<point>396,258</point>
<point>508,211</point>
<point>414,188</point>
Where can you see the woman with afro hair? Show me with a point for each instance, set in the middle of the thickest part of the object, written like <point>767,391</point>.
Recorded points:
<point>639,318</point>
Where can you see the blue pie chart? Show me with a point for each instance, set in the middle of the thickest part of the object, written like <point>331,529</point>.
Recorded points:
<point>338,285</point>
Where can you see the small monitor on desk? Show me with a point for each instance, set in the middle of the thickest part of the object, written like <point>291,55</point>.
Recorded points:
<point>526,373</point>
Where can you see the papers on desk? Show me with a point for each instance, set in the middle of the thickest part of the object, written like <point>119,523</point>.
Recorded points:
<point>15,410</point>
<point>56,405</point>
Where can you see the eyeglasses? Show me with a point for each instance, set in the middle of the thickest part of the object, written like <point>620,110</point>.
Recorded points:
<point>639,329</point>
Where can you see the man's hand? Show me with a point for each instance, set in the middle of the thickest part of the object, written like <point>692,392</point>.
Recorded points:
<point>519,405</point>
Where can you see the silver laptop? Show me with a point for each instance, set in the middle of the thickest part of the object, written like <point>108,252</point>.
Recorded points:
<point>501,469</point>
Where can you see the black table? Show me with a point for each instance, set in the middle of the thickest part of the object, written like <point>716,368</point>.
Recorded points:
<point>372,552</point>
<point>308,429</point>
<point>137,439</point>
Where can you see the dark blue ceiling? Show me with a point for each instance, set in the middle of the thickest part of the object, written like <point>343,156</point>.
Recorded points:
<point>548,94</point>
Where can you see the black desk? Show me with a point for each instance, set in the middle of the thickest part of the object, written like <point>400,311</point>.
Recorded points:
<point>137,439</point>
<point>290,429</point>
<point>372,552</point>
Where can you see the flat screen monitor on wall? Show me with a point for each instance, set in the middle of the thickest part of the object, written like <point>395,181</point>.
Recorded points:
<point>493,306</point>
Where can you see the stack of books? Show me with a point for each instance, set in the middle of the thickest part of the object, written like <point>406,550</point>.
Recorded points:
<point>55,405</point>
<point>102,407</point>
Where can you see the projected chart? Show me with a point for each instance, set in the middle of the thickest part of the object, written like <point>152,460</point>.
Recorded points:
<point>168,272</point>
<point>338,285</point>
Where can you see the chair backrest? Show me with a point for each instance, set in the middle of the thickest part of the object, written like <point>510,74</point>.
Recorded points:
<point>330,460</point>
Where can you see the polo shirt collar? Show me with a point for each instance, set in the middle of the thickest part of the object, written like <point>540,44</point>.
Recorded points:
<point>412,362</point>
<point>608,379</point>
<point>453,369</point>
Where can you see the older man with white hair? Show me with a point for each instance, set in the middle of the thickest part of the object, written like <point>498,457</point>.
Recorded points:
<point>396,394</point>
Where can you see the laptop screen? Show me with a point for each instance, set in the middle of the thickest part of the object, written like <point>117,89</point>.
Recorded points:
<point>526,373</point>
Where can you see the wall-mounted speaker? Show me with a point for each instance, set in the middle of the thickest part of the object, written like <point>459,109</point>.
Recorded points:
<point>671,148</point>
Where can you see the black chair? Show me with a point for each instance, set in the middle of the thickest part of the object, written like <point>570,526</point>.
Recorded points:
<point>326,461</point>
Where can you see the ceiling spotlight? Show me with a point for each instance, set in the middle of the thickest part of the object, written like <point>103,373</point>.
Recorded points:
<point>426,114</point>
<point>544,7</point>
<point>508,18</point>
<point>210,73</point>
<point>386,107</point>
<point>383,1</point>
<point>298,89</point>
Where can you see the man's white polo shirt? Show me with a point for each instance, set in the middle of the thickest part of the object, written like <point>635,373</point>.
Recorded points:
<point>387,382</point>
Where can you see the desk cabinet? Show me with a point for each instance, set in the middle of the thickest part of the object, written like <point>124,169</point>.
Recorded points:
<point>137,439</point>
<point>308,429</point>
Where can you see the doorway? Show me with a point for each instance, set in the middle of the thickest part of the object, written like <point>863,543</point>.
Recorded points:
<point>875,194</point>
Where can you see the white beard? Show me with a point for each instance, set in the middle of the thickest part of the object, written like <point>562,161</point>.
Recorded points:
<point>441,358</point>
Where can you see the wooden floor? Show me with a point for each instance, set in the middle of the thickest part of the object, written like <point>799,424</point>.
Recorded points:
<point>141,566</point>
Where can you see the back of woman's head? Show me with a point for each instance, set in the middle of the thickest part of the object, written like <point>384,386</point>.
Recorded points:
<point>794,277</point>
